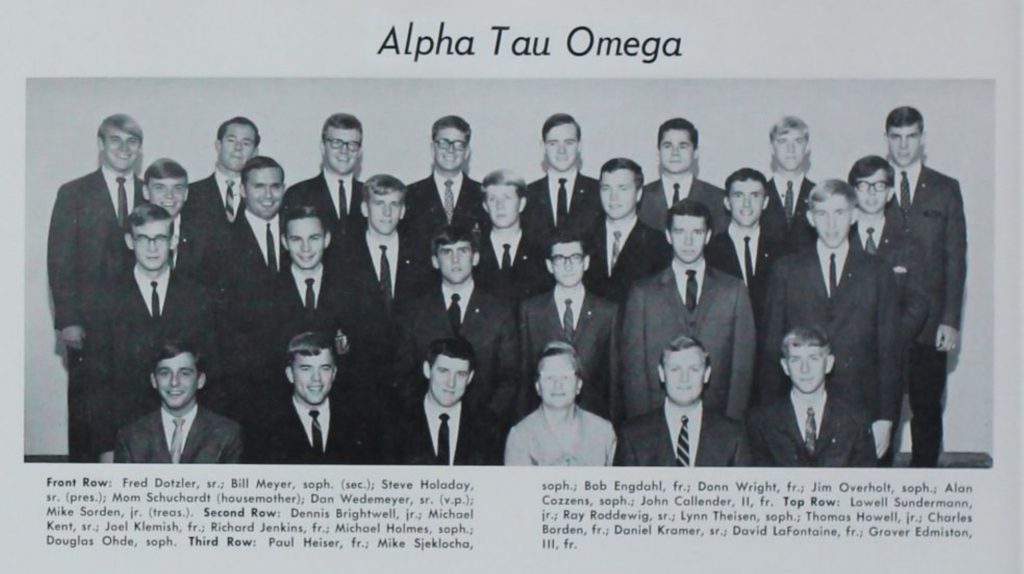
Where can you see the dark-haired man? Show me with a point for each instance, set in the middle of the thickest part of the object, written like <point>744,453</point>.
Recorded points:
<point>217,199</point>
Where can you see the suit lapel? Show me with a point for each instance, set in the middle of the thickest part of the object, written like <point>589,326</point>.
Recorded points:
<point>599,255</point>
<point>158,439</point>
<point>193,440</point>
<point>708,294</point>
<point>473,318</point>
<point>325,192</point>
<point>544,202</point>
<point>826,428</point>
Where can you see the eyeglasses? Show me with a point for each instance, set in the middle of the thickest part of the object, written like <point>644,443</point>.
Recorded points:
<point>335,143</point>
<point>450,145</point>
<point>876,187</point>
<point>562,260</point>
<point>145,241</point>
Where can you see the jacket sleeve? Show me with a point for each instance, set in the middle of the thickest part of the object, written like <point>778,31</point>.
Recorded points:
<point>956,258</point>
<point>744,347</point>
<point>633,348</point>
<point>770,376</point>
<point>61,257</point>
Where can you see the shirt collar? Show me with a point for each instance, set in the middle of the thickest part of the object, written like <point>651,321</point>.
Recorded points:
<point>675,412</point>
<point>465,291</point>
<point>259,224</point>
<point>577,294</point>
<point>302,274</point>
<point>681,268</point>
<point>624,225</point>
<point>323,410</point>
<point>737,233</point>
<point>456,182</point>
<point>841,251</point>
<point>510,236</point>
<point>110,176</point>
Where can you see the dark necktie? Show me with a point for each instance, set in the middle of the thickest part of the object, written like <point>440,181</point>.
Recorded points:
<point>385,277</point>
<point>342,204</point>
<point>317,432</point>
<point>870,246</point>
<point>616,249</point>
<point>675,194</point>
<point>310,295</point>
<point>455,314</point>
<point>567,322</point>
<point>154,301</point>
<point>748,261</point>
<point>563,203</point>
<point>271,252</point>
<point>904,193</point>
<point>832,280</point>
<point>443,446</point>
<point>506,257</point>
<point>174,252</point>
<point>810,431</point>
<point>683,443</point>
<point>789,201</point>
<point>122,204</point>
<point>229,203</point>
<point>691,290</point>
<point>449,201</point>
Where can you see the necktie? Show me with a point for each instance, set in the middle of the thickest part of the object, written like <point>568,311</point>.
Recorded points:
<point>683,443</point>
<point>567,321</point>
<point>229,203</point>
<point>310,295</point>
<point>449,201</point>
<point>563,203</point>
<point>177,439</point>
<point>675,194</point>
<point>385,277</point>
<point>870,246</point>
<point>789,201</point>
<point>810,431</point>
<point>317,431</point>
<point>455,314</point>
<point>443,447</point>
<point>616,249</point>
<point>122,203</point>
<point>342,203</point>
<point>832,280</point>
<point>748,261</point>
<point>154,301</point>
<point>506,257</point>
<point>691,290</point>
<point>904,193</point>
<point>271,252</point>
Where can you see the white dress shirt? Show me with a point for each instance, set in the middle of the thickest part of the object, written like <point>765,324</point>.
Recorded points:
<point>373,243</point>
<point>324,418</point>
<point>511,236</point>
<point>465,291</point>
<point>433,412</point>
<point>668,182</point>
<point>874,222</point>
<point>332,186</point>
<point>738,235</point>
<point>259,231</point>
<point>913,174</point>
<point>145,284</point>
<point>570,184</point>
<point>802,402</point>
<point>167,421</point>
<point>679,269</point>
<point>576,294</point>
<point>222,188</point>
<point>674,417</point>
<point>300,276</point>
<point>824,259</point>
<point>110,176</point>
<point>456,186</point>
<point>625,226</point>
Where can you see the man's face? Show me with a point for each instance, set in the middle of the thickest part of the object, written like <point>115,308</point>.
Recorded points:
<point>236,147</point>
<point>456,262</point>
<point>807,366</point>
<point>312,377</point>
<point>676,152</point>
<point>567,263</point>
<point>873,192</point>
<point>169,193</point>
<point>384,211</point>
<point>831,219</point>
<point>562,147</point>
<point>789,148</point>
<point>684,374</point>
<point>451,150</point>
<point>337,149</point>
<point>152,243</point>
<point>688,236</point>
<point>178,380</point>
<point>619,194</point>
<point>305,239</point>
<point>263,192</point>
<point>119,150</point>
<point>746,201</point>
<point>503,205</point>
<point>906,144</point>
<point>449,378</point>
<point>557,382</point>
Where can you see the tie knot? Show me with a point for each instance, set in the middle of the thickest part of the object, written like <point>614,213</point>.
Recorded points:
<point>617,235</point>
<point>506,247</point>
<point>810,412</point>
<point>444,417</point>
<point>562,181</point>
<point>153,284</point>
<point>691,273</point>
<point>341,184</point>
<point>903,173</point>
<point>789,186</point>
<point>675,187</point>
<point>231,183</point>
<point>121,180</point>
<point>456,297</point>
<point>832,258</point>
<point>310,281</point>
<point>746,240</point>
<point>684,419</point>
<point>178,422</point>
<point>314,414</point>
<point>383,248</point>
<point>568,302</point>
<point>871,231</point>
<point>448,183</point>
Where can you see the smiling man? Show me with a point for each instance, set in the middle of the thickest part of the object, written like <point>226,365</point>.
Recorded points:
<point>217,199</point>
<point>788,189</point>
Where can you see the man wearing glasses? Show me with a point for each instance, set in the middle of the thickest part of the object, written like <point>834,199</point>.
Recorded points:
<point>448,196</point>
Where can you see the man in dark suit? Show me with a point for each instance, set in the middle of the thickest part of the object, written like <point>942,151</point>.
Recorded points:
<point>624,249</point>
<point>785,216</point>
<point>85,252</point>
<point>810,426</point>
<point>689,298</point>
<point>216,199</point>
<point>179,432</point>
<point>448,196</point>
<point>930,209</point>
<point>441,428</point>
<point>682,432</point>
<point>677,160</point>
<point>335,191</point>
<point>511,261</point>
<point>564,196</point>
<point>849,295</point>
<point>570,314</point>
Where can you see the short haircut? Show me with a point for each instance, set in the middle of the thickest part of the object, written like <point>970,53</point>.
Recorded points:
<point>682,343</point>
<point>745,174</point>
<point>868,166</point>
<point>690,207</point>
<point>341,122</point>
<point>566,235</point>
<point>678,124</point>
<point>310,344</point>
<point>295,212</point>
<point>556,120</point>
<point>617,163</point>
<point>242,121</point>
<point>147,213</point>
<point>452,234</point>
<point>451,122</point>
<point>165,168</point>
<point>804,337</point>
<point>561,349</point>
<point>788,124</point>
<point>172,348</point>
<point>260,162</point>
<point>902,117</point>
<point>826,189</point>
<point>382,184</point>
<point>122,122</point>
<point>453,347</point>
<point>504,177</point>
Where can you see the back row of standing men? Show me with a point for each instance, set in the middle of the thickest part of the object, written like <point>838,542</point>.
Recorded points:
<point>335,254</point>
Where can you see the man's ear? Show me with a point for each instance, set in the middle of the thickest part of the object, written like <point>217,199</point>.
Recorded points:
<point>201,381</point>
<point>661,373</point>
<point>435,262</point>
<point>586,262</point>
<point>426,369</point>
<point>327,239</point>
<point>152,380</point>
<point>129,241</point>
<point>476,258</point>
<point>707,374</point>
<point>830,362</point>
<point>145,193</point>
<point>522,204</point>
<point>469,379</point>
<point>785,365</point>
<point>290,374</point>
<point>364,210</point>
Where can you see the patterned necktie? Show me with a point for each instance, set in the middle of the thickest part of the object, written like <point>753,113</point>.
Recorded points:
<point>870,246</point>
<point>154,301</point>
<point>385,277</point>
<point>833,282</point>
<point>342,203</point>
<point>683,443</point>
<point>449,201</point>
<point>904,193</point>
<point>568,320</point>
<point>789,202</point>
<point>506,257</point>
<point>443,446</point>
<point>563,203</point>
<point>616,249</point>
<point>691,290</point>
<point>310,295</point>
<point>229,202</point>
<point>317,431</point>
<point>675,194</point>
<point>122,204</point>
<point>177,440</point>
<point>810,431</point>
<point>748,262</point>
<point>455,314</point>
<point>271,252</point>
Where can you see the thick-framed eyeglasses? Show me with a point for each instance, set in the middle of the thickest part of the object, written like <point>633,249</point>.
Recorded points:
<point>878,187</point>
<point>145,241</point>
<point>335,143</point>
<point>450,145</point>
<point>563,260</point>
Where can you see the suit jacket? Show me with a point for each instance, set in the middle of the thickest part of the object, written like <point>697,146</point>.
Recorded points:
<point>199,255</point>
<point>409,442</point>
<point>653,209</point>
<point>585,210</point>
<point>861,322</point>
<point>333,307</point>
<point>722,321</point>
<point>844,436</point>
<point>527,277</point>
<point>212,439</point>
<point>206,203</point>
<point>797,233</point>
<point>936,221</point>
<point>350,438</point>
<point>596,340</point>
<point>314,192</point>
<point>721,254</point>
<point>644,253</point>
<point>424,211</point>
<point>645,441</point>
